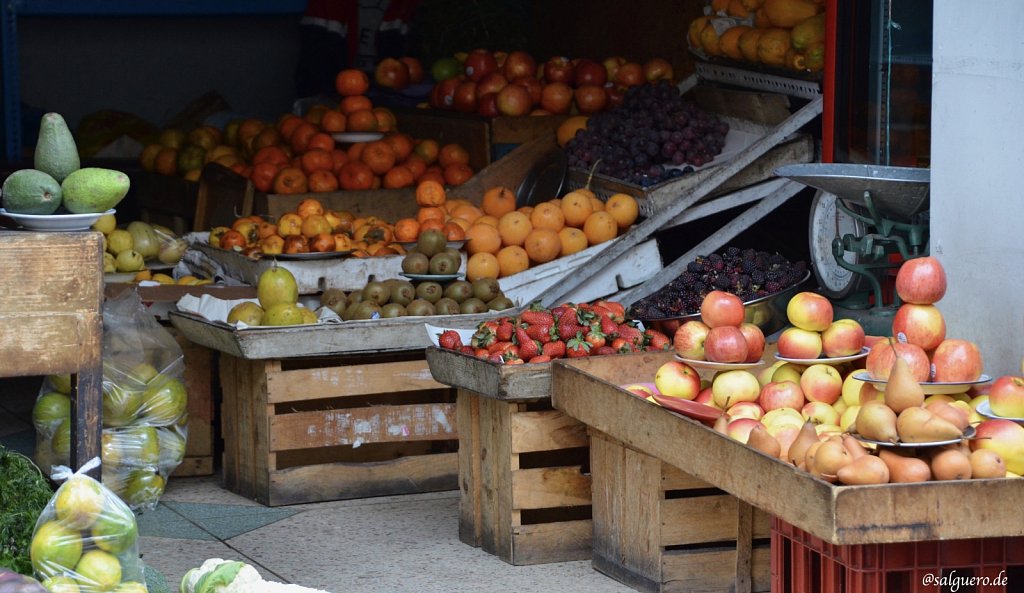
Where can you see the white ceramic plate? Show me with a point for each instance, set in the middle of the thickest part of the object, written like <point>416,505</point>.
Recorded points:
<point>312,255</point>
<point>985,409</point>
<point>432,277</point>
<point>55,222</point>
<point>356,136</point>
<point>831,361</point>
<point>930,388</point>
<point>718,366</point>
<point>968,434</point>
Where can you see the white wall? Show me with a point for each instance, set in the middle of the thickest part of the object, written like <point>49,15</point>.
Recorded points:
<point>977,163</point>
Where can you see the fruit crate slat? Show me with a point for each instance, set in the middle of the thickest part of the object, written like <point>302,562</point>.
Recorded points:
<point>200,380</point>
<point>842,515</point>
<point>348,379</point>
<point>489,379</point>
<point>379,424</point>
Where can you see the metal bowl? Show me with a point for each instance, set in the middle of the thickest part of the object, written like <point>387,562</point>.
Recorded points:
<point>767,312</point>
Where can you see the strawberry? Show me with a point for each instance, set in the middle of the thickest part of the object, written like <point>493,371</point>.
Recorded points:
<point>602,351</point>
<point>655,340</point>
<point>596,339</point>
<point>569,325</point>
<point>541,333</point>
<point>607,326</point>
<point>496,357</point>
<point>622,345</point>
<point>630,333</point>
<point>541,358</point>
<point>450,340</point>
<point>618,311</point>
<point>481,353</point>
<point>577,347</point>
<point>468,350</point>
<point>521,337</point>
<point>537,315</point>
<point>504,330</point>
<point>529,349</point>
<point>483,337</point>
<point>554,349</point>
<point>498,346</point>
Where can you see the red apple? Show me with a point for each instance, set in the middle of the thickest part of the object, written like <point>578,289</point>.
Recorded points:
<point>533,85</point>
<point>640,390</point>
<point>590,99</point>
<point>487,105</point>
<point>590,72</point>
<point>739,429</point>
<point>705,397</point>
<point>821,383</point>
<point>810,311</point>
<point>1006,396</point>
<point>629,74</point>
<point>880,359</point>
<point>559,69</point>
<point>464,97</point>
<point>799,343</point>
<point>843,337</point>
<point>479,63</point>
<point>920,324</point>
<point>956,361</point>
<point>677,379</point>
<point>725,343</point>
<point>513,100</point>
<point>392,73</point>
<point>921,281</point>
<point>519,63</point>
<point>690,338</point>
<point>745,410</point>
<point>612,64</point>
<point>721,308</point>
<point>820,413</point>
<point>492,83</point>
<point>1006,438</point>
<point>446,92</point>
<point>730,387</point>
<point>755,341</point>
<point>781,394</point>
<point>415,66</point>
<point>556,97</point>
<point>658,69</point>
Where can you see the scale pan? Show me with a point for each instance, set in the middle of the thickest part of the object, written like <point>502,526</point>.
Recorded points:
<point>898,192</point>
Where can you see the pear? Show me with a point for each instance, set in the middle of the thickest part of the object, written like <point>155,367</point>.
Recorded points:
<point>854,447</point>
<point>877,422</point>
<point>829,458</point>
<point>762,441</point>
<point>951,464</point>
<point>867,469</point>
<point>902,391</point>
<point>808,463</point>
<point>798,450</point>
<point>986,463</point>
<point>721,424</point>
<point>955,415</point>
<point>920,425</point>
<point>905,469</point>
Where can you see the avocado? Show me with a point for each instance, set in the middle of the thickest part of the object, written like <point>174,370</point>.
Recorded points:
<point>94,189</point>
<point>56,151</point>
<point>30,191</point>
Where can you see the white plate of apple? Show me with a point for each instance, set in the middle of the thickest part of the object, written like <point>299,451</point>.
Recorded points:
<point>929,387</point>
<point>985,409</point>
<point>719,366</point>
<point>824,360</point>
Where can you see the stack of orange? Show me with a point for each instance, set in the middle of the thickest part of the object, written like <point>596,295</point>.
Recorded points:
<point>310,228</point>
<point>505,240</point>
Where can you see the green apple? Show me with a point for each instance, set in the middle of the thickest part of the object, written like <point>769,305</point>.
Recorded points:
<point>50,410</point>
<point>129,261</point>
<point>119,240</point>
<point>164,402</point>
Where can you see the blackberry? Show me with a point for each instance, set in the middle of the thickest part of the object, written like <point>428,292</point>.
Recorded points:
<point>757,277</point>
<point>772,287</point>
<point>722,282</point>
<point>732,251</point>
<point>695,267</point>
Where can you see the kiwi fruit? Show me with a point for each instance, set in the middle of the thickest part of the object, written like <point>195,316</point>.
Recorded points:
<point>454,253</point>
<point>376,292</point>
<point>473,305</point>
<point>486,289</point>
<point>402,292</point>
<point>334,299</point>
<point>419,308</point>
<point>500,304</point>
<point>442,263</point>
<point>459,290</point>
<point>367,310</point>
<point>391,310</point>
<point>429,291</point>
<point>356,296</point>
<point>415,263</point>
<point>350,311</point>
<point>447,306</point>
<point>430,243</point>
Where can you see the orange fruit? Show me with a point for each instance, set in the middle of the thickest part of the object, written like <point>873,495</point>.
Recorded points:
<point>788,13</point>
<point>482,265</point>
<point>693,31</point>
<point>290,180</point>
<point>576,207</point>
<point>430,193</point>
<point>379,156</point>
<point>333,121</point>
<point>401,144</point>
<point>166,161</point>
<point>433,224</point>
<point>600,227</point>
<point>736,9</point>
<point>729,42</point>
<point>354,103</point>
<point>547,216</point>
<point>513,228</point>
<point>386,120</point>
<point>596,204</point>
<point>426,213</point>
<point>362,120</point>
<point>399,176</point>
<point>427,149</point>
<point>572,240</point>
<point>457,174</point>
<point>454,231</point>
<point>542,245</point>
<point>453,154</point>
<point>355,175</point>
<point>748,44</point>
<point>467,212</point>
<point>309,206</point>
<point>498,201</point>
<point>487,219</point>
<point>623,208</point>
<point>482,238</point>
<point>407,229</point>
<point>512,260</point>
<point>709,40</point>
<point>351,81</point>
<point>568,128</point>
<point>416,164</point>
<point>321,141</point>
<point>316,160</point>
<point>321,181</point>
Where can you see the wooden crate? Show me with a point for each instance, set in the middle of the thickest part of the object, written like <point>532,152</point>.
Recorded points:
<point>299,430</point>
<point>660,530</point>
<point>200,384</point>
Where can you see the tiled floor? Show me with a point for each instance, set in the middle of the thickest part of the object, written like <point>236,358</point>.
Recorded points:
<point>386,544</point>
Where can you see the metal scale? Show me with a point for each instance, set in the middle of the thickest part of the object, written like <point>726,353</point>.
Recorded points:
<point>860,216</point>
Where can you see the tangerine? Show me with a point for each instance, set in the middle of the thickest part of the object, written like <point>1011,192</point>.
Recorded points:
<point>498,201</point>
<point>624,209</point>
<point>416,164</point>
<point>457,174</point>
<point>290,180</point>
<point>430,213</point>
<point>322,141</point>
<point>351,81</point>
<point>512,260</point>
<point>433,224</point>
<point>576,207</point>
<point>467,212</point>
<point>596,204</point>
<point>355,175</point>
<point>514,227</point>
<point>600,227</point>
<point>316,160</point>
<point>547,216</point>
<point>270,154</point>
<point>286,125</point>
<point>362,120</point>
<point>262,176</point>
<point>430,193</point>
<point>462,222</point>
<point>453,154</point>
<point>542,245</point>
<point>568,128</point>
<point>454,231</point>
<point>166,161</point>
<point>401,144</point>
<point>386,120</point>
<point>333,121</point>
<point>488,220</point>
<point>398,176</point>
<point>322,181</point>
<point>482,265</point>
<point>729,42</point>
<point>338,158</point>
<point>482,238</point>
<point>427,150</point>
<point>407,229</point>
<point>572,239</point>
<point>379,156</point>
<point>355,151</point>
<point>433,173</point>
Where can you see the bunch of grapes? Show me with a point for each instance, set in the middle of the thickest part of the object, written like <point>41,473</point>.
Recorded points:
<point>747,273</point>
<point>653,136</point>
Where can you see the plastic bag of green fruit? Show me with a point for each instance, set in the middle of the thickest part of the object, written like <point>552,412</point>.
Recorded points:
<point>86,539</point>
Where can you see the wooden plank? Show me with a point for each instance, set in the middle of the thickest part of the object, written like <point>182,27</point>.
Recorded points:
<point>744,547</point>
<point>499,381</point>
<point>517,130</point>
<point>467,408</point>
<point>711,571</point>
<point>841,515</point>
<point>550,487</point>
<point>699,520</point>
<point>544,543</point>
<point>673,478</point>
<point>546,430</point>
<point>350,380</point>
<point>222,196</point>
<point>356,426</point>
<point>389,204</point>
<point>497,463</point>
<point>194,466</point>
<point>199,380</point>
<point>340,481</point>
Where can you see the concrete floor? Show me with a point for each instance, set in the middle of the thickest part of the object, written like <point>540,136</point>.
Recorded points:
<point>385,544</point>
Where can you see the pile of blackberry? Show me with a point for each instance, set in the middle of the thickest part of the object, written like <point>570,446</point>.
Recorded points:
<point>747,273</point>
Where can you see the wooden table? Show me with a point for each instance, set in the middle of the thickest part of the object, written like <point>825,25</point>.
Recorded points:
<point>51,321</point>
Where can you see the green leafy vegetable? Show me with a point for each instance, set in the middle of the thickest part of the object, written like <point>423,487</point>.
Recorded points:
<point>24,493</point>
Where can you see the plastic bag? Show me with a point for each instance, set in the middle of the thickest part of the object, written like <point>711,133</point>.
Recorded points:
<point>145,420</point>
<point>86,539</point>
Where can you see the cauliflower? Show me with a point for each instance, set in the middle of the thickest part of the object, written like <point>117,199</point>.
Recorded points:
<point>232,576</point>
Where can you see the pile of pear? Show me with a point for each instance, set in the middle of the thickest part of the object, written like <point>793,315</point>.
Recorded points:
<point>900,417</point>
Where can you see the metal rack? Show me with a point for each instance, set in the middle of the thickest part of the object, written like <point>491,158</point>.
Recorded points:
<point>10,10</point>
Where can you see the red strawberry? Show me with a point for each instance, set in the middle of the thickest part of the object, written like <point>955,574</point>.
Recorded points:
<point>520,335</point>
<point>498,347</point>
<point>655,340</point>
<point>450,340</point>
<point>529,349</point>
<point>630,333</point>
<point>537,317</point>
<point>496,357</point>
<point>596,339</point>
<point>554,349</point>
<point>541,333</point>
<point>602,351</point>
<point>504,330</point>
<point>481,353</point>
<point>541,358</point>
<point>608,326</point>
<point>622,345</point>
<point>569,326</point>
<point>468,350</point>
<point>483,338</point>
<point>618,311</point>
<point>577,347</point>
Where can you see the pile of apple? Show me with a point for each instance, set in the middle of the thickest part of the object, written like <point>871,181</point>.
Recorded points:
<point>721,334</point>
<point>815,332</point>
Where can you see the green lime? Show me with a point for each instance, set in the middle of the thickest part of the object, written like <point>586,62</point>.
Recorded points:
<point>445,68</point>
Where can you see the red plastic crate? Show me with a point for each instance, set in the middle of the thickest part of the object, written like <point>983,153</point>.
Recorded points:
<point>802,563</point>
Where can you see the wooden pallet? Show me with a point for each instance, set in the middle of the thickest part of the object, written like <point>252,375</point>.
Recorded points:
<point>300,430</point>
<point>524,495</point>
<point>660,530</point>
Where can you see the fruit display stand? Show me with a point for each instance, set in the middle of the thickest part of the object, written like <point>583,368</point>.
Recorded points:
<point>850,517</point>
<point>523,494</point>
<point>53,322</point>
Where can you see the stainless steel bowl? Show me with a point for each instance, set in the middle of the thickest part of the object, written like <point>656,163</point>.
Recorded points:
<point>767,312</point>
